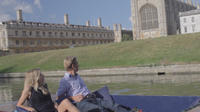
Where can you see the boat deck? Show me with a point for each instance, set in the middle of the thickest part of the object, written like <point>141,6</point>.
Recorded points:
<point>146,103</point>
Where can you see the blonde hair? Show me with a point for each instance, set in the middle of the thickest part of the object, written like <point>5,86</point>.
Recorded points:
<point>32,78</point>
<point>68,61</point>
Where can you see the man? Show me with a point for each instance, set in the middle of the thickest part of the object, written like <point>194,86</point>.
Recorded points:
<point>73,87</point>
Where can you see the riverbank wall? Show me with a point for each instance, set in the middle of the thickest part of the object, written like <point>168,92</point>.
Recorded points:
<point>170,73</point>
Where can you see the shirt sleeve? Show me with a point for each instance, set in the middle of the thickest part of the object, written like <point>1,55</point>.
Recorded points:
<point>62,89</point>
<point>84,86</point>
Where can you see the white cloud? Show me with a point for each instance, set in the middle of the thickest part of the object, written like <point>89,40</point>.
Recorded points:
<point>8,8</point>
<point>8,2</point>
<point>27,8</point>
<point>4,17</point>
<point>8,5</point>
<point>37,3</point>
<point>130,19</point>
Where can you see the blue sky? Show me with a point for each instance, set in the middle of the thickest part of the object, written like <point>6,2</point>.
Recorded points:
<point>79,11</point>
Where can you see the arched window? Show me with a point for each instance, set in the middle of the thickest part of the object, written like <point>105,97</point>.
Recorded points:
<point>149,17</point>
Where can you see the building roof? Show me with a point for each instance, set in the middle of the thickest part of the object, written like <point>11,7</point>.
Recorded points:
<point>53,25</point>
<point>189,13</point>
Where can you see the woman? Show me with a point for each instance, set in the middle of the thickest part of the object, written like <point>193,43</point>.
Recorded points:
<point>39,98</point>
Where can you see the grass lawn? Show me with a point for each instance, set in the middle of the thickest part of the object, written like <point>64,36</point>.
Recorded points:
<point>177,49</point>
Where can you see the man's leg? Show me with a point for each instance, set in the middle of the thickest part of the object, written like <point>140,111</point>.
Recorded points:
<point>88,105</point>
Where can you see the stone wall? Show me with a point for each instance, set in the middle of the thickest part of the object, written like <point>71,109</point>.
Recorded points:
<point>161,74</point>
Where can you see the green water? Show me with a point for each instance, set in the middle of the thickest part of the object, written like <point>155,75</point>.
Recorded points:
<point>10,89</point>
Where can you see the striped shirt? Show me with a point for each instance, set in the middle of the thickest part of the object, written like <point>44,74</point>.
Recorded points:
<point>72,85</point>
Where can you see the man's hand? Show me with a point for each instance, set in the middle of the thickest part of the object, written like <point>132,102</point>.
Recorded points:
<point>77,98</point>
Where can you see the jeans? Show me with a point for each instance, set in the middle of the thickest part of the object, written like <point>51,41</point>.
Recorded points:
<point>99,105</point>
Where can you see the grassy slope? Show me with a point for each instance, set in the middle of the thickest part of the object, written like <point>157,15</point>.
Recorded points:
<point>179,49</point>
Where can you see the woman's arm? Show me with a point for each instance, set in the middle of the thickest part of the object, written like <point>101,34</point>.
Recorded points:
<point>22,99</point>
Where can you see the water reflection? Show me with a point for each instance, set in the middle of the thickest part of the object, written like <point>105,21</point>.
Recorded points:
<point>121,91</point>
<point>5,95</point>
<point>10,89</point>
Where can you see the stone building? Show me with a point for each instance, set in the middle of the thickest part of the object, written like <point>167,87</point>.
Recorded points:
<point>155,18</point>
<point>121,34</point>
<point>190,21</point>
<point>17,36</point>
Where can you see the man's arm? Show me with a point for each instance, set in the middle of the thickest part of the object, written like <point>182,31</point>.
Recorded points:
<point>80,97</point>
<point>62,89</point>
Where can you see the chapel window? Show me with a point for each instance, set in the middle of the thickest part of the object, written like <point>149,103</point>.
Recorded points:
<point>83,34</point>
<point>61,34</point>
<point>16,33</point>
<point>73,34</point>
<point>193,28</point>
<point>37,33</point>
<point>30,33</point>
<point>192,19</point>
<point>149,17</point>
<point>185,20</point>
<point>79,34</point>
<point>185,28</point>
<point>50,33</point>
<point>17,42</point>
<point>24,42</point>
<point>24,33</point>
<point>43,33</point>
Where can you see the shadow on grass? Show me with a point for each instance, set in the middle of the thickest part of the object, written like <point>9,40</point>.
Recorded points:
<point>7,70</point>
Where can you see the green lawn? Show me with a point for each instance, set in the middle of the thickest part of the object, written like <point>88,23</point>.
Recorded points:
<point>178,49</point>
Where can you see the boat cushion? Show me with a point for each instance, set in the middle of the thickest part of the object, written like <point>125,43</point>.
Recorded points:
<point>104,94</point>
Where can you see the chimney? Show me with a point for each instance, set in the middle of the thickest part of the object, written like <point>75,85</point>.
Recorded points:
<point>197,5</point>
<point>99,22</point>
<point>66,20</point>
<point>108,27</point>
<point>88,23</point>
<point>19,15</point>
<point>119,26</point>
<point>190,2</point>
<point>115,27</point>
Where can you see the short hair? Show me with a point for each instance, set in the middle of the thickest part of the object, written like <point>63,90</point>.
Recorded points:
<point>69,61</point>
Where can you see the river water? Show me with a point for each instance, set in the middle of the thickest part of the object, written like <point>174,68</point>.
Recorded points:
<point>11,88</point>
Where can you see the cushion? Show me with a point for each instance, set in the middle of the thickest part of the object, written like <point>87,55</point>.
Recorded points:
<point>19,109</point>
<point>104,94</point>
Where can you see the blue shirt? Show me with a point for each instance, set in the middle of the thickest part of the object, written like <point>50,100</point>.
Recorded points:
<point>72,85</point>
